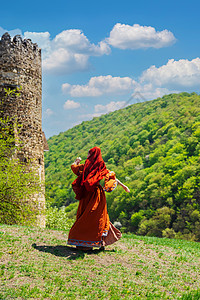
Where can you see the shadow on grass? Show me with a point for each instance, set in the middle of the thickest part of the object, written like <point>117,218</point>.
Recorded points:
<point>66,251</point>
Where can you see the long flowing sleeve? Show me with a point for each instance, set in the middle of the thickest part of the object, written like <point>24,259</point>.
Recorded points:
<point>110,182</point>
<point>77,169</point>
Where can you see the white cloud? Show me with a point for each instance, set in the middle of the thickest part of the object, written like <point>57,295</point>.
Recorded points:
<point>70,104</point>
<point>84,117</point>
<point>175,74</point>
<point>62,61</point>
<point>135,37</point>
<point>48,112</point>
<point>11,32</point>
<point>99,108</point>
<point>149,91</point>
<point>68,52</point>
<point>77,42</point>
<point>100,85</point>
<point>42,39</point>
<point>173,77</point>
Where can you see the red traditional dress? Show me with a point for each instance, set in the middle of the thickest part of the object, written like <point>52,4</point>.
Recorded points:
<point>92,227</point>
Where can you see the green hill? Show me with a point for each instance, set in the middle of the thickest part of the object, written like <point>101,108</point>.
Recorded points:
<point>154,148</point>
<point>37,264</point>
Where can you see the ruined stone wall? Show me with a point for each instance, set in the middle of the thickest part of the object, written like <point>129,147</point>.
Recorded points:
<point>20,65</point>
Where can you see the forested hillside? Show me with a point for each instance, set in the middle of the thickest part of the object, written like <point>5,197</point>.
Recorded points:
<point>154,148</point>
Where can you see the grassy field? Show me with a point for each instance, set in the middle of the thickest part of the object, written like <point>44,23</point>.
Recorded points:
<point>37,264</point>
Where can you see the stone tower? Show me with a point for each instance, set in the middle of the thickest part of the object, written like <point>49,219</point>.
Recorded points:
<point>20,66</point>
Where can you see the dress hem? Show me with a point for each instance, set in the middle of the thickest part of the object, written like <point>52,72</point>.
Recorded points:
<point>74,242</point>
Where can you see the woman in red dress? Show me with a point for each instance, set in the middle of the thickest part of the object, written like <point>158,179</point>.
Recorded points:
<point>92,227</point>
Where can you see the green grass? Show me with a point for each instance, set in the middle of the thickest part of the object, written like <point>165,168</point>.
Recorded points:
<point>37,264</point>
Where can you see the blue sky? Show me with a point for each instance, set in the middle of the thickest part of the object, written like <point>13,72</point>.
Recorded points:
<point>96,55</point>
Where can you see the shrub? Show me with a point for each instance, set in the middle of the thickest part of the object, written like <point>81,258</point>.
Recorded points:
<point>136,218</point>
<point>169,233</point>
<point>57,218</point>
<point>159,222</point>
<point>16,186</point>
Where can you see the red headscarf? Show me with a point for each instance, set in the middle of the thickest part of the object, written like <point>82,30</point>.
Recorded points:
<point>94,170</point>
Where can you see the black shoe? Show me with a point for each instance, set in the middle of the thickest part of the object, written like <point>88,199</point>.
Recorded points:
<point>102,248</point>
<point>83,248</point>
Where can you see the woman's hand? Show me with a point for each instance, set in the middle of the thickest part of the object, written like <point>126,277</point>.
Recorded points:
<point>126,189</point>
<point>77,161</point>
<point>123,185</point>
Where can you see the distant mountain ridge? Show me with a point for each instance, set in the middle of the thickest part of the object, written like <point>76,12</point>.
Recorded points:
<point>154,147</point>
